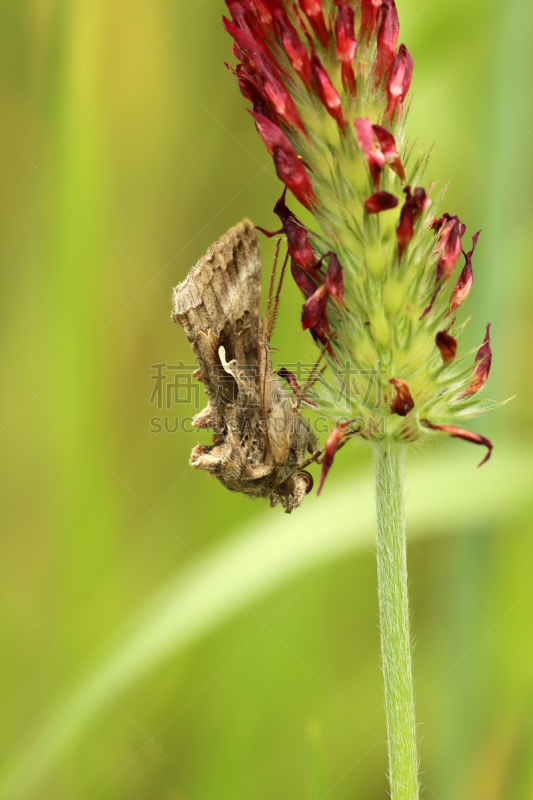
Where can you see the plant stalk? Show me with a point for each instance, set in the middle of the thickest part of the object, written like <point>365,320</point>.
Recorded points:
<point>389,458</point>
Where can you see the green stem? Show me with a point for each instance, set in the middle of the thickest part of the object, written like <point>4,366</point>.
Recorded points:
<point>389,460</point>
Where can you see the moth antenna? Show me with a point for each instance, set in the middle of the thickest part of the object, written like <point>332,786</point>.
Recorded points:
<point>313,377</point>
<point>271,290</point>
<point>271,321</point>
<point>266,337</point>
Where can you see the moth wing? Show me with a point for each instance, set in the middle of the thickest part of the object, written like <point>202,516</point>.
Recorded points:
<point>218,305</point>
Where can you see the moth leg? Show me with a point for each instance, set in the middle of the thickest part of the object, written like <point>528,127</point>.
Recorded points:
<point>206,418</point>
<point>314,375</point>
<point>209,458</point>
<point>314,457</point>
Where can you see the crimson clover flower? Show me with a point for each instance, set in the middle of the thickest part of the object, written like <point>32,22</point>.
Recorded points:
<point>327,82</point>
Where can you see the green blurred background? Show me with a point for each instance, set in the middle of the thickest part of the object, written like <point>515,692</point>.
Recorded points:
<point>125,150</point>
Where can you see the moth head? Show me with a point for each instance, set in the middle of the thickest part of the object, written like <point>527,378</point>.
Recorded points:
<point>286,487</point>
<point>291,491</point>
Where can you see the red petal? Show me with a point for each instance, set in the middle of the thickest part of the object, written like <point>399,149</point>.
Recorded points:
<point>414,205</point>
<point>255,50</point>
<point>408,75</point>
<point>363,127</point>
<point>291,380</point>
<point>450,231</point>
<point>461,433</point>
<point>483,365</point>
<point>335,279</point>
<point>246,20</point>
<point>293,45</point>
<point>282,101</point>
<point>314,310</point>
<point>369,14</point>
<point>388,33</point>
<point>332,445</point>
<point>271,134</point>
<point>345,33</point>
<point>403,402</point>
<point>265,14</point>
<point>252,91</point>
<point>421,202</point>
<point>328,95</point>
<point>348,79</point>
<point>405,230</point>
<point>380,201</point>
<point>451,250</point>
<point>399,81</point>
<point>297,240</point>
<point>439,224</point>
<point>462,288</point>
<point>485,351</point>
<point>298,245</point>
<point>295,386</point>
<point>465,280</point>
<point>288,166</point>
<point>290,170</point>
<point>388,148</point>
<point>262,62</point>
<point>303,280</point>
<point>375,158</point>
<point>313,11</point>
<point>447,346</point>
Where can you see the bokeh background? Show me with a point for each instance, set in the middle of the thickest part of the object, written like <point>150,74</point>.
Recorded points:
<point>125,150</point>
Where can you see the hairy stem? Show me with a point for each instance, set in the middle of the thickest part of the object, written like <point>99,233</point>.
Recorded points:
<point>389,460</point>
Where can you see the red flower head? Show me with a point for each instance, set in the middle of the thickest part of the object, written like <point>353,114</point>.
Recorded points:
<point>328,84</point>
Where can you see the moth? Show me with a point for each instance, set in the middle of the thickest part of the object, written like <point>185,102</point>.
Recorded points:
<point>261,443</point>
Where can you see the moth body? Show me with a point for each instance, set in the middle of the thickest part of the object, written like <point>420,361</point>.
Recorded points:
<point>260,440</point>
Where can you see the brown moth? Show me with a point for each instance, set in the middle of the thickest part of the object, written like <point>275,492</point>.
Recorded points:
<point>261,443</point>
